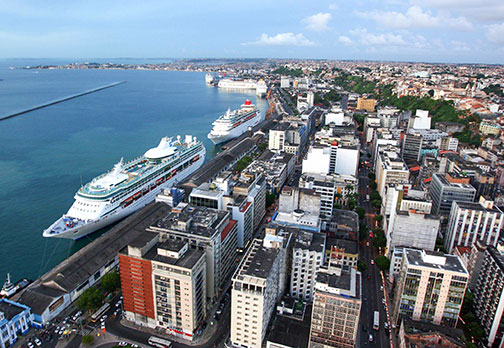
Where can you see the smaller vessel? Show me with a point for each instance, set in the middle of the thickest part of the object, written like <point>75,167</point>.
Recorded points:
<point>234,123</point>
<point>9,289</point>
<point>209,79</point>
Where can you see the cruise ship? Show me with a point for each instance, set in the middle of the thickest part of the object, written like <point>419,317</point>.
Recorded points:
<point>234,123</point>
<point>129,187</point>
<point>235,83</point>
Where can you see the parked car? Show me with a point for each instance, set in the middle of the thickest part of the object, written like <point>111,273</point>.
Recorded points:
<point>371,338</point>
<point>30,345</point>
<point>383,300</point>
<point>381,287</point>
<point>372,262</point>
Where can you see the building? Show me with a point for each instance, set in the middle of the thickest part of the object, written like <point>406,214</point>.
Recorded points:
<point>331,187</point>
<point>489,296</point>
<point>336,308</point>
<point>336,116</point>
<point>444,189</point>
<point>299,207</point>
<point>421,120</point>
<point>469,222</point>
<point>208,229</point>
<point>447,144</point>
<point>163,284</point>
<point>285,82</point>
<point>415,334</point>
<point>253,185</point>
<point>450,127</point>
<point>430,288</point>
<point>255,290</point>
<point>15,319</point>
<point>291,325</point>
<point>412,229</point>
<point>390,169</point>
<point>333,158</point>
<point>412,148</point>
<point>475,262</point>
<point>317,159</point>
<point>489,128</point>
<point>345,250</point>
<point>307,257</point>
<point>366,104</point>
<point>242,212</point>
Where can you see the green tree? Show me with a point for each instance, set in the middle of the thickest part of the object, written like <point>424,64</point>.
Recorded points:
<point>383,263</point>
<point>243,163</point>
<point>87,340</point>
<point>371,176</point>
<point>262,146</point>
<point>376,203</point>
<point>475,330</point>
<point>378,218</point>
<point>361,212</point>
<point>373,185</point>
<point>368,155</point>
<point>270,199</point>
<point>361,266</point>
<point>91,298</point>
<point>379,240</point>
<point>111,281</point>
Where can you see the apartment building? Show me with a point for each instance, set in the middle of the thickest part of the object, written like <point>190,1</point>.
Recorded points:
<point>430,287</point>
<point>469,222</point>
<point>446,188</point>
<point>390,168</point>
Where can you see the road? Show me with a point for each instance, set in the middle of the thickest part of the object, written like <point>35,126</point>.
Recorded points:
<point>372,295</point>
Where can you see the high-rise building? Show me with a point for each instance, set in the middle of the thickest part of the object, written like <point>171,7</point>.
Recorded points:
<point>336,308</point>
<point>421,120</point>
<point>253,185</point>
<point>475,262</point>
<point>390,168</point>
<point>444,189</point>
<point>163,284</point>
<point>207,229</point>
<point>243,213</point>
<point>255,290</point>
<point>307,258</point>
<point>430,287</point>
<point>489,296</point>
<point>285,82</point>
<point>448,144</point>
<point>469,222</point>
<point>412,147</point>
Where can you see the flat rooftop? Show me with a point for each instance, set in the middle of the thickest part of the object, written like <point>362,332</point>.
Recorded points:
<point>477,206</point>
<point>10,310</point>
<point>259,261</point>
<point>291,332</point>
<point>188,259</point>
<point>350,246</point>
<point>430,259</point>
<point>348,283</point>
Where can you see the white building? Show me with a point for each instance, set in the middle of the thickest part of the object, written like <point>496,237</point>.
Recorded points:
<point>15,319</point>
<point>469,222</point>
<point>256,288</point>
<point>284,82</point>
<point>317,159</point>
<point>390,168</point>
<point>421,120</point>
<point>307,257</point>
<point>335,116</point>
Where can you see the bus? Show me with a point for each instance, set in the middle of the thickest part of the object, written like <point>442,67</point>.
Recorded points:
<point>376,321</point>
<point>159,342</point>
<point>100,312</point>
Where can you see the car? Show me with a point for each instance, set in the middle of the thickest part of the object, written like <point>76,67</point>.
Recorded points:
<point>204,325</point>
<point>372,262</point>
<point>364,327</point>
<point>381,287</point>
<point>37,342</point>
<point>30,345</point>
<point>218,311</point>
<point>371,338</point>
<point>216,316</point>
<point>383,300</point>
<point>199,332</point>
<point>368,276</point>
<point>118,303</point>
<point>122,344</point>
<point>102,325</point>
<point>385,324</point>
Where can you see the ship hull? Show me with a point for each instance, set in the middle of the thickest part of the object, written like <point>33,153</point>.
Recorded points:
<point>236,132</point>
<point>87,228</point>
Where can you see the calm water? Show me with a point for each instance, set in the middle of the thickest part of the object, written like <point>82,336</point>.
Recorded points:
<point>45,153</point>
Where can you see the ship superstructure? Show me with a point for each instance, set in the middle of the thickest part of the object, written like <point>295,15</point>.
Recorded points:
<point>129,187</point>
<point>234,123</point>
<point>235,83</point>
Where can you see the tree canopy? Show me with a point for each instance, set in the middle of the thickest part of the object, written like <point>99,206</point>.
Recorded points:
<point>111,281</point>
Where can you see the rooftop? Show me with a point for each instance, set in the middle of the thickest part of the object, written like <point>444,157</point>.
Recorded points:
<point>291,332</point>
<point>258,261</point>
<point>433,259</point>
<point>350,246</point>
<point>10,309</point>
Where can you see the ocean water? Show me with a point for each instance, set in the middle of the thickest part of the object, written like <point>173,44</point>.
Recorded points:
<point>46,154</point>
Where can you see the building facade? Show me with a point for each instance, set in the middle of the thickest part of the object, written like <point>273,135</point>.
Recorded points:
<point>444,190</point>
<point>15,319</point>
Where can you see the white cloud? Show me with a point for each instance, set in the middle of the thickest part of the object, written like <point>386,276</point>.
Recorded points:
<point>487,10</point>
<point>345,40</point>
<point>370,39</point>
<point>415,17</point>
<point>318,22</point>
<point>333,7</point>
<point>459,46</point>
<point>282,39</point>
<point>495,33</point>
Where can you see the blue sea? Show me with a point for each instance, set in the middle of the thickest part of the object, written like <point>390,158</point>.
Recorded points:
<point>46,154</point>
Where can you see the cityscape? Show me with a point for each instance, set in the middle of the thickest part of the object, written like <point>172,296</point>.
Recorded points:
<point>332,203</point>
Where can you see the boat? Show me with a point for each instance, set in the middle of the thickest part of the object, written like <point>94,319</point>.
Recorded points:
<point>125,189</point>
<point>209,79</point>
<point>234,123</point>
<point>9,289</point>
<point>236,83</point>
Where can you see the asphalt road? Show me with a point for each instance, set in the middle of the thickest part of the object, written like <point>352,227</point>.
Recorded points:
<point>371,294</point>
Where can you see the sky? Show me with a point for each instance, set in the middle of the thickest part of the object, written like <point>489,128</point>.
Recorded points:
<point>458,31</point>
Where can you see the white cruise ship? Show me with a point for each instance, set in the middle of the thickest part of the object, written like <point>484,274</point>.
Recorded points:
<point>234,83</point>
<point>129,187</point>
<point>234,123</point>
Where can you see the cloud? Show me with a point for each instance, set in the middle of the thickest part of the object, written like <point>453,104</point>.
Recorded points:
<point>495,33</point>
<point>282,39</point>
<point>345,40</point>
<point>484,11</point>
<point>415,17</point>
<point>318,22</point>
<point>370,39</point>
<point>459,46</point>
<point>333,7</point>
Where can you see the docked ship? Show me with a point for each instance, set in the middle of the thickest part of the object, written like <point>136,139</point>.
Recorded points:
<point>234,123</point>
<point>209,79</point>
<point>129,187</point>
<point>9,289</point>
<point>235,83</point>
